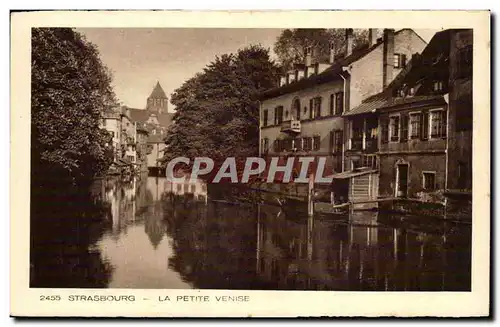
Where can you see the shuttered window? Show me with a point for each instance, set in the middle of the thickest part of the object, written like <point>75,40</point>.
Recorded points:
<point>316,143</point>
<point>415,128</point>
<point>307,143</point>
<point>317,107</point>
<point>298,144</point>
<point>339,103</point>
<point>311,110</point>
<point>425,125</point>
<point>438,123</point>
<point>384,126</point>
<point>266,114</point>
<point>338,141</point>
<point>332,141</point>
<point>394,128</point>
<point>278,115</point>
<point>332,104</point>
<point>404,128</point>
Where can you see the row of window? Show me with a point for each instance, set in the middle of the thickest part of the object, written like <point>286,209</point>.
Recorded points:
<point>297,75</point>
<point>414,125</point>
<point>305,143</point>
<point>438,86</point>
<point>190,188</point>
<point>297,144</point>
<point>335,107</point>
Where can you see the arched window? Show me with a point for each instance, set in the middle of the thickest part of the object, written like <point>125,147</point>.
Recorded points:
<point>296,109</point>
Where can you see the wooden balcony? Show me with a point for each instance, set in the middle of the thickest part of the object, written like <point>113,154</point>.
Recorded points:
<point>291,126</point>
<point>370,145</point>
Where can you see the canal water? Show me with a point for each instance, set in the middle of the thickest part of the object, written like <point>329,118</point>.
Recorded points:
<point>150,233</point>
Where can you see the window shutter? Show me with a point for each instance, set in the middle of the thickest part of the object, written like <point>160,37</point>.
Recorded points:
<point>445,124</point>
<point>318,114</point>
<point>332,140</point>
<point>332,104</point>
<point>425,125</point>
<point>342,104</point>
<point>317,143</point>
<point>340,141</point>
<point>311,108</point>
<point>403,61</point>
<point>298,144</point>
<point>404,128</point>
<point>384,125</point>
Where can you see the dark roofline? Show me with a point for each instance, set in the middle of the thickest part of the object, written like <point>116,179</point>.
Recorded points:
<point>410,29</point>
<point>330,74</point>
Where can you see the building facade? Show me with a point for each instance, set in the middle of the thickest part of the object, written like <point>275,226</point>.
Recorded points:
<point>461,112</point>
<point>154,120</point>
<point>111,122</point>
<point>128,137</point>
<point>304,114</point>
<point>425,121</point>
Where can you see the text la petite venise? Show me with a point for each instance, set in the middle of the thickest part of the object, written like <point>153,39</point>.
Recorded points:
<point>205,298</point>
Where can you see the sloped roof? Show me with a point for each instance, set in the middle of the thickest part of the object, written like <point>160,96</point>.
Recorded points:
<point>433,59</point>
<point>157,92</point>
<point>366,107</point>
<point>156,138</point>
<point>142,116</point>
<point>329,74</point>
<point>353,173</point>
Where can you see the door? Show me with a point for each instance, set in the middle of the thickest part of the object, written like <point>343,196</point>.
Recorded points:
<point>402,181</point>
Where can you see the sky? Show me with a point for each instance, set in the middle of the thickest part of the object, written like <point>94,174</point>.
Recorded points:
<point>140,57</point>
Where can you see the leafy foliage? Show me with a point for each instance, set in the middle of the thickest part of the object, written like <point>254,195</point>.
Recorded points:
<point>217,112</point>
<point>70,88</point>
<point>291,44</point>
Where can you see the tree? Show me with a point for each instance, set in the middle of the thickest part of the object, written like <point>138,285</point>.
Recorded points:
<point>70,87</point>
<point>290,45</point>
<point>217,112</point>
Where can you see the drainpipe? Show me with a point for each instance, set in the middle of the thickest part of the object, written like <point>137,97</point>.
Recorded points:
<point>447,100</point>
<point>344,103</point>
<point>260,120</point>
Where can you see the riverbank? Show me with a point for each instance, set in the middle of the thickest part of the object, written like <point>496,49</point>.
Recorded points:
<point>293,198</point>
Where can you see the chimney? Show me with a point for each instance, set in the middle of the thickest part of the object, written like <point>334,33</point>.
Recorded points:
<point>372,36</point>
<point>332,52</point>
<point>349,38</point>
<point>308,56</point>
<point>388,59</point>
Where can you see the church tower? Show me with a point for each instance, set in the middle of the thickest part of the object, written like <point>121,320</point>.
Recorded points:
<point>157,101</point>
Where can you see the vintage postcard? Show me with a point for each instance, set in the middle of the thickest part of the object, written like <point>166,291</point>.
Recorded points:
<point>250,164</point>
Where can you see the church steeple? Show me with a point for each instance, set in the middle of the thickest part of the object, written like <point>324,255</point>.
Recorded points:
<point>157,100</point>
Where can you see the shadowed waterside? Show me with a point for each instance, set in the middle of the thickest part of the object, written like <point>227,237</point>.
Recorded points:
<point>151,233</point>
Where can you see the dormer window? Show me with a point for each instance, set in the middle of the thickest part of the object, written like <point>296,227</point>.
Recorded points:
<point>399,60</point>
<point>438,86</point>
<point>401,92</point>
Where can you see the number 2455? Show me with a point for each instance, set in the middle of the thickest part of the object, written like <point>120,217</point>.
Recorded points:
<point>50,298</point>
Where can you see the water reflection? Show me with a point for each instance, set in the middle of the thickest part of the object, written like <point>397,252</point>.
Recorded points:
<point>361,255</point>
<point>150,233</point>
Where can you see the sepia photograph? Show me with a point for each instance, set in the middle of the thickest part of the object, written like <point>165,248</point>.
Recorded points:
<point>251,159</point>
